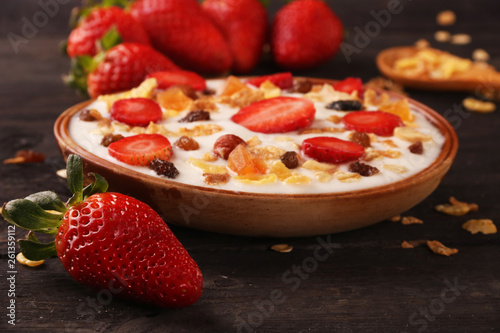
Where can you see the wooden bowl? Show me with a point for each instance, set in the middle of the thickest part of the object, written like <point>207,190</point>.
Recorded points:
<point>477,79</point>
<point>270,215</point>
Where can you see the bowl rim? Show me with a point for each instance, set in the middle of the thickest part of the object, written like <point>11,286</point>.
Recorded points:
<point>446,156</point>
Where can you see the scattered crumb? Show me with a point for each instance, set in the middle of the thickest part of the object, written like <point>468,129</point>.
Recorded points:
<point>476,105</point>
<point>461,39</point>
<point>406,245</point>
<point>411,220</point>
<point>25,156</point>
<point>396,218</point>
<point>386,84</point>
<point>438,248</point>
<point>485,226</point>
<point>442,36</point>
<point>480,55</point>
<point>457,208</point>
<point>446,17</point>
<point>422,43</point>
<point>22,260</point>
<point>62,173</point>
<point>282,248</point>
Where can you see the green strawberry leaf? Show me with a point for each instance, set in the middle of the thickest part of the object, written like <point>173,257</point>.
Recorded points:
<point>47,200</point>
<point>99,186</point>
<point>28,215</point>
<point>74,169</point>
<point>37,251</point>
<point>111,38</point>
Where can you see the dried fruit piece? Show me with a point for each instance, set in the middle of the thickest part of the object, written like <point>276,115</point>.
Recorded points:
<point>216,178</point>
<point>232,86</point>
<point>476,105</point>
<point>290,159</point>
<point>174,99</point>
<point>363,169</point>
<point>195,116</point>
<point>164,168</point>
<point>225,144</point>
<point>360,138</point>
<point>416,148</point>
<point>348,105</point>
<point>484,226</point>
<point>187,143</point>
<point>302,86</point>
<point>90,115</point>
<point>406,220</point>
<point>400,108</point>
<point>110,138</point>
<point>25,156</point>
<point>282,248</point>
<point>242,162</point>
<point>439,248</point>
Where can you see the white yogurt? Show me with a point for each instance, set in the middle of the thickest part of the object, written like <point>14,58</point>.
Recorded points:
<point>85,135</point>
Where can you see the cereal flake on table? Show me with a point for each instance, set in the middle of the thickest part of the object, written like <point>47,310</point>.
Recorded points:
<point>485,226</point>
<point>438,248</point>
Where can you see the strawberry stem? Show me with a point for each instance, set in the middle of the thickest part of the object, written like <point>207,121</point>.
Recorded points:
<point>43,211</point>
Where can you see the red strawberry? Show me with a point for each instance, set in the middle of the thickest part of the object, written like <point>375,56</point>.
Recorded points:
<point>123,67</point>
<point>349,85</point>
<point>276,115</point>
<point>332,150</point>
<point>377,122</point>
<point>108,241</point>
<point>243,23</point>
<point>136,111</point>
<point>166,79</point>
<point>141,149</point>
<point>85,37</point>
<point>282,80</point>
<point>183,32</point>
<point>305,33</point>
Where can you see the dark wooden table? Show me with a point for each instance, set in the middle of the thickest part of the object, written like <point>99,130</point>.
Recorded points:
<point>366,283</point>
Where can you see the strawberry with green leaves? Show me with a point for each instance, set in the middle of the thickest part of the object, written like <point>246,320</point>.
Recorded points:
<point>182,31</point>
<point>108,241</point>
<point>96,22</point>
<point>244,24</point>
<point>305,33</point>
<point>120,68</point>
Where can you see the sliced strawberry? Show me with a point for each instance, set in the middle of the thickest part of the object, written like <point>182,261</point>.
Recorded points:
<point>332,150</point>
<point>276,115</point>
<point>167,79</point>
<point>349,85</point>
<point>377,122</point>
<point>136,111</point>
<point>141,149</point>
<point>282,80</point>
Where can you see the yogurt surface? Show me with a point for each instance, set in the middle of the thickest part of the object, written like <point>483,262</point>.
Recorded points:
<point>87,135</point>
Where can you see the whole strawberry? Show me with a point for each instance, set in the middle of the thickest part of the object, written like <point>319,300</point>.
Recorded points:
<point>84,39</point>
<point>109,241</point>
<point>183,32</point>
<point>122,67</point>
<point>243,23</point>
<point>305,33</point>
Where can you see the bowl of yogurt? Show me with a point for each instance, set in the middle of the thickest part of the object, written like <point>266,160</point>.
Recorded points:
<point>312,198</point>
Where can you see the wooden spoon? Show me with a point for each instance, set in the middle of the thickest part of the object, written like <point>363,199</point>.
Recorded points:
<point>481,79</point>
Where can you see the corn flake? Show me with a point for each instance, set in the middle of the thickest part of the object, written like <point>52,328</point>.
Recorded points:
<point>411,135</point>
<point>257,179</point>
<point>484,226</point>
<point>395,168</point>
<point>206,167</point>
<point>30,263</point>
<point>439,248</point>
<point>144,90</point>
<point>318,166</point>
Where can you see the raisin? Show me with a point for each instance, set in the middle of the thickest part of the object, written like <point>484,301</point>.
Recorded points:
<point>195,116</point>
<point>164,168</point>
<point>361,139</point>
<point>208,92</point>
<point>302,86</point>
<point>363,169</point>
<point>187,143</point>
<point>417,148</point>
<point>290,159</point>
<point>110,138</point>
<point>348,105</point>
<point>225,144</point>
<point>86,115</point>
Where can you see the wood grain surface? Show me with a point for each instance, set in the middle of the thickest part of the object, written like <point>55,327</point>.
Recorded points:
<point>359,281</point>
